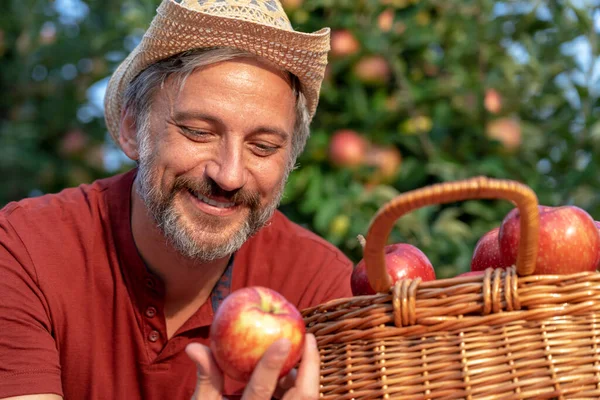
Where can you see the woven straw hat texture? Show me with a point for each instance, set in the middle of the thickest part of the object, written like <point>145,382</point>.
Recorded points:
<point>260,27</point>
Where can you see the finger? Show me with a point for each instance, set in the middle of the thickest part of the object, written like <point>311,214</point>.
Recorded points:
<point>266,374</point>
<point>309,372</point>
<point>209,379</point>
<point>285,384</point>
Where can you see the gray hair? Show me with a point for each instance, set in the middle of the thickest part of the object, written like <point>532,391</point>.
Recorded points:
<point>138,95</point>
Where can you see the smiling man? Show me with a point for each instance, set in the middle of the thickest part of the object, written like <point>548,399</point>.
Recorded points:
<point>109,289</point>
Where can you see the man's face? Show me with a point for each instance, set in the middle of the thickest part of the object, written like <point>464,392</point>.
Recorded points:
<point>215,157</point>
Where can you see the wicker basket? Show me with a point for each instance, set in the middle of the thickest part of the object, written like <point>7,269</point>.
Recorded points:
<point>505,335</point>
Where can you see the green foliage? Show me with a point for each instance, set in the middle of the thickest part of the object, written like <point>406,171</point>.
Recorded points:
<point>443,56</point>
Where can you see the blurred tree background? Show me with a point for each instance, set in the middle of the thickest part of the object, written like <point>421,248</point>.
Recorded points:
<point>417,92</point>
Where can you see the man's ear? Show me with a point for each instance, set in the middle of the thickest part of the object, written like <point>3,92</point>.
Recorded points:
<point>127,135</point>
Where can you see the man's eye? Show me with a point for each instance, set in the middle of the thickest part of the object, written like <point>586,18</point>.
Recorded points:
<point>195,133</point>
<point>265,149</point>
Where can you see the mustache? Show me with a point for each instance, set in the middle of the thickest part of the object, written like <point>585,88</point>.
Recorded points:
<point>209,188</point>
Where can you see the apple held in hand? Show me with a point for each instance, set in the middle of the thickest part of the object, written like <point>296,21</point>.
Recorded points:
<point>247,322</point>
<point>569,241</point>
<point>487,252</point>
<point>402,261</point>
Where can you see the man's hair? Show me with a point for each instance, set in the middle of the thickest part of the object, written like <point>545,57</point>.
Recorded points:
<point>138,95</point>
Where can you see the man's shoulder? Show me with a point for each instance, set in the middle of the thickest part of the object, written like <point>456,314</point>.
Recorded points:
<point>296,262</point>
<point>285,236</point>
<point>54,214</point>
<point>69,201</point>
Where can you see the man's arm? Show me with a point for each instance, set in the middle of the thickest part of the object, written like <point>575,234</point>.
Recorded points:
<point>44,396</point>
<point>29,359</point>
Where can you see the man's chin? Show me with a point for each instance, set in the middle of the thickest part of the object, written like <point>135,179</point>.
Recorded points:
<point>209,248</point>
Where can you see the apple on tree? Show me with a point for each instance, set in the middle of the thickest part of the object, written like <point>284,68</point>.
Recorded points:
<point>347,148</point>
<point>372,70</point>
<point>386,160</point>
<point>247,322</point>
<point>569,240</point>
<point>492,101</point>
<point>507,131</point>
<point>402,261</point>
<point>343,43</point>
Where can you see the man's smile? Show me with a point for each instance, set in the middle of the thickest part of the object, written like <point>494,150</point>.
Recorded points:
<point>213,206</point>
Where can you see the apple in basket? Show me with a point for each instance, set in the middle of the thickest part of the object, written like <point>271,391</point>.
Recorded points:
<point>472,273</point>
<point>487,252</point>
<point>402,261</point>
<point>569,241</point>
<point>598,226</point>
<point>247,322</point>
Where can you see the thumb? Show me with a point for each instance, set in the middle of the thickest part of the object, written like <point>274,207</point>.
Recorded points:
<point>209,379</point>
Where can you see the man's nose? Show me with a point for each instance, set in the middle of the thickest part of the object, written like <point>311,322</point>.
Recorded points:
<point>228,169</point>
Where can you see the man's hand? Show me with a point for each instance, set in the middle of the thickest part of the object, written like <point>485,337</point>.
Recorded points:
<point>264,383</point>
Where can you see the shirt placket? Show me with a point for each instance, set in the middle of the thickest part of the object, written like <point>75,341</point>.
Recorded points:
<point>152,316</point>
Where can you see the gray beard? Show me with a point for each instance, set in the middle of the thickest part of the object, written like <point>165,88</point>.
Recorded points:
<point>184,239</point>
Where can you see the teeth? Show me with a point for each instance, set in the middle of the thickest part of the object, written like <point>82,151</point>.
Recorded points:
<point>215,203</point>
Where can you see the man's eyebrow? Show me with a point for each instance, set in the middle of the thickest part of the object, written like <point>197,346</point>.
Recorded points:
<point>191,115</point>
<point>272,130</point>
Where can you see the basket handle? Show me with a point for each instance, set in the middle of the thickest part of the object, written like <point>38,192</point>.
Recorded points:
<point>474,188</point>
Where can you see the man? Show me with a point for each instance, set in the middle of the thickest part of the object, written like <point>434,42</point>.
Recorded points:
<point>108,290</point>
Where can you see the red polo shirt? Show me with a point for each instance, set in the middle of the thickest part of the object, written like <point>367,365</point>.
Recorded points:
<point>81,316</point>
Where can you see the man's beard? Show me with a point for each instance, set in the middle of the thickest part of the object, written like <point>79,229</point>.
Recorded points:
<point>186,239</point>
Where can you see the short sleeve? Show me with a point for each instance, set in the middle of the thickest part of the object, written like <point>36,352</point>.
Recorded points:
<point>29,359</point>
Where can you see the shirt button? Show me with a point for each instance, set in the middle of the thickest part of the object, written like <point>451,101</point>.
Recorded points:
<point>150,283</point>
<point>153,336</point>
<point>150,312</point>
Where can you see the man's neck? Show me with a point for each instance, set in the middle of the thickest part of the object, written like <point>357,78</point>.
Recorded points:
<point>187,283</point>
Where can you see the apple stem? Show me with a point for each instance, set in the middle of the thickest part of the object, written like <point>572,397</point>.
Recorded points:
<point>362,241</point>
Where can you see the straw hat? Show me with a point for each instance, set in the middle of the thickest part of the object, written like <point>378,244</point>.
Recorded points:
<point>260,27</point>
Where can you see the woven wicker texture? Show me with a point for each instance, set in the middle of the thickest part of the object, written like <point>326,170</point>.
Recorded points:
<point>256,26</point>
<point>263,12</point>
<point>507,334</point>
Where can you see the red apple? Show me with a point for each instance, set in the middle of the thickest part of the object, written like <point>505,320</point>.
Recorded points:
<point>505,130</point>
<point>569,241</point>
<point>347,148</point>
<point>247,322</point>
<point>487,252</point>
<point>385,20</point>
<point>471,273</point>
<point>343,43</point>
<point>387,160</point>
<point>372,70</point>
<point>402,261</point>
<point>598,226</point>
<point>492,101</point>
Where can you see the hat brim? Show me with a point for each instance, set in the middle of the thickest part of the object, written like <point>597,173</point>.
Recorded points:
<point>176,29</point>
